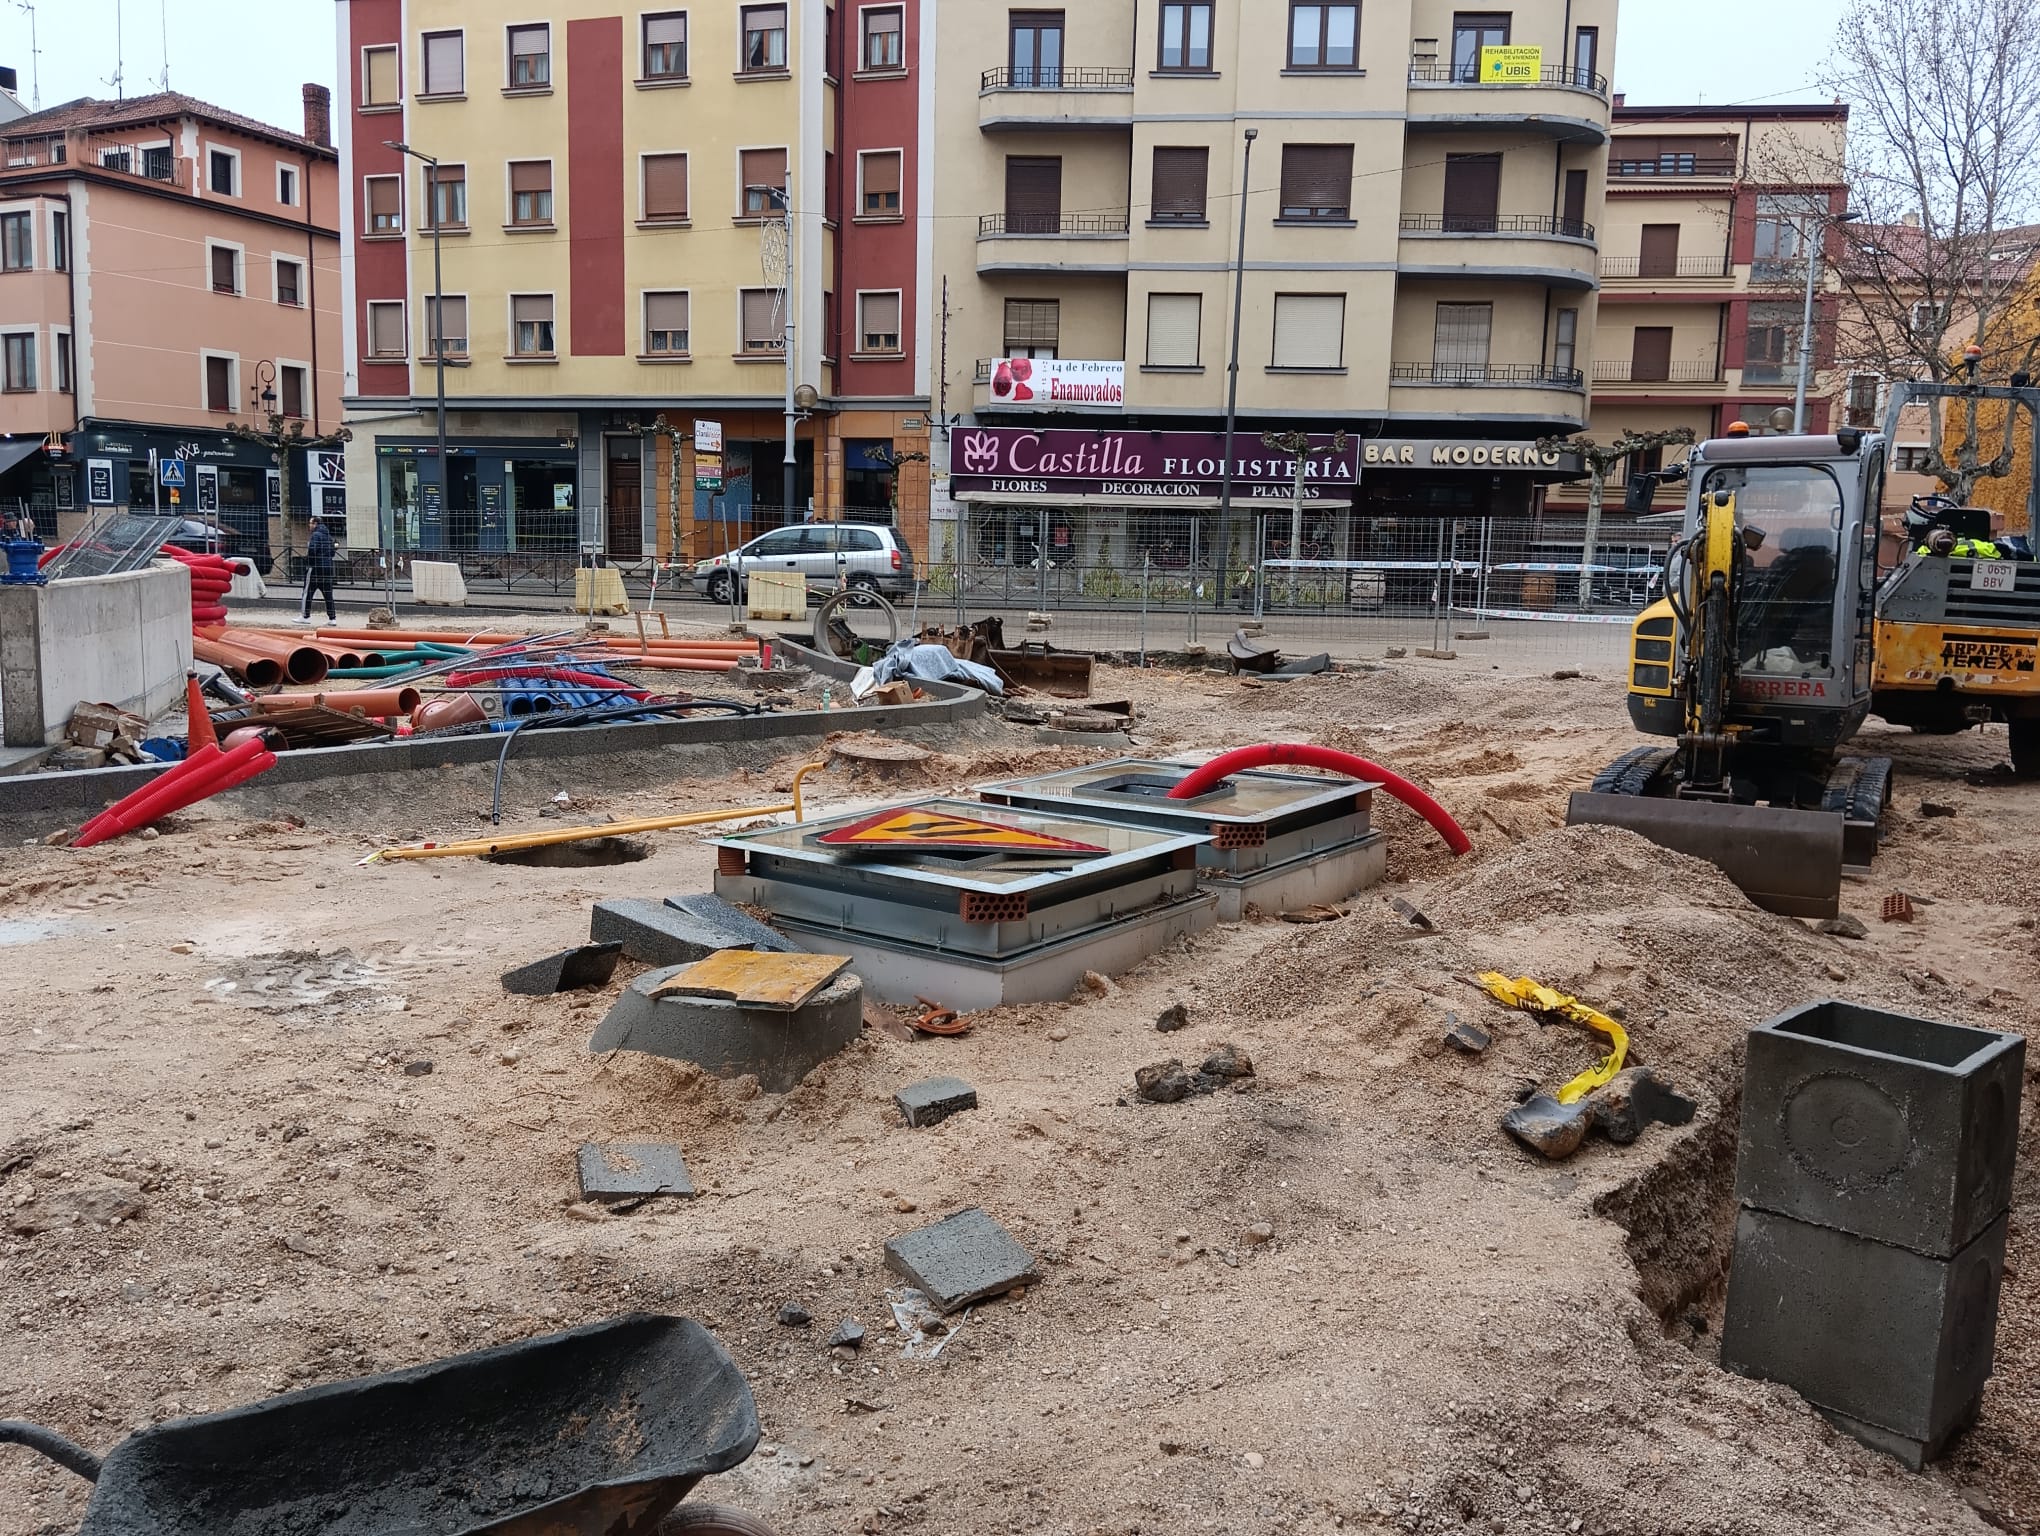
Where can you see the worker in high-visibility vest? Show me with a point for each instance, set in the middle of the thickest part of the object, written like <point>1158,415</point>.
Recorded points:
<point>1942,542</point>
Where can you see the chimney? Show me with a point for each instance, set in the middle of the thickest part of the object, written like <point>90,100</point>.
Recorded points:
<point>1620,98</point>
<point>319,115</point>
<point>1912,221</point>
<point>10,78</point>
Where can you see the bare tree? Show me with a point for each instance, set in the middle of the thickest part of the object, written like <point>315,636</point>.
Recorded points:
<point>1603,462</point>
<point>1943,171</point>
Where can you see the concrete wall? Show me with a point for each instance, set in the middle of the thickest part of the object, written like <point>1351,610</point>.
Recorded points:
<point>122,640</point>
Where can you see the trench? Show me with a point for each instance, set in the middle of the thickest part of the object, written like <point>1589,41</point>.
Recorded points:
<point>596,853</point>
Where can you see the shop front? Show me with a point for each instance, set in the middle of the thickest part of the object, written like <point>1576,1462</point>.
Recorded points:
<point>233,481</point>
<point>494,496</point>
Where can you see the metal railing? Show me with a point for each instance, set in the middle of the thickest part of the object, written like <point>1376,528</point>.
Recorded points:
<point>998,225</point>
<point>1482,375</point>
<point>1667,166</point>
<point>1684,266</point>
<point>1058,77</point>
<point>1555,74</point>
<point>1705,370</point>
<point>1496,224</point>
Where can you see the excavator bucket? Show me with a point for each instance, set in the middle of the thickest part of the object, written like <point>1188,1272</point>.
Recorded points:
<point>1786,861</point>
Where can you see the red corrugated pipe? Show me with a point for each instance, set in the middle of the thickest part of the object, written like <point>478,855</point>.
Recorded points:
<point>1209,776</point>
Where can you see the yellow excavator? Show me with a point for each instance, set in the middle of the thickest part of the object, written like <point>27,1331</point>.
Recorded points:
<point>1779,635</point>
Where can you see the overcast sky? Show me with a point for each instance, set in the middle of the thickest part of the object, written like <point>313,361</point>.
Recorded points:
<point>253,55</point>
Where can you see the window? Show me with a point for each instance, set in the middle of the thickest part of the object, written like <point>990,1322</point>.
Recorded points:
<point>531,199</point>
<point>1324,36</point>
<point>1317,181</point>
<point>665,189</point>
<point>290,385</point>
<point>1033,194</point>
<point>61,346</point>
<point>60,240</point>
<point>1186,35</point>
<point>762,330</point>
<point>289,283</point>
<point>1677,155</point>
<point>666,46</point>
<point>1565,349</point>
<point>1471,32</point>
<point>452,331</point>
<point>1586,54</point>
<point>226,268</point>
<point>385,195</point>
<point>666,324</point>
<point>878,322</point>
<point>1914,461</point>
<point>1784,224</point>
<point>1175,321</point>
<point>881,199</point>
<point>1178,196</point>
<point>1929,322</point>
<point>1033,327</point>
<point>885,42</point>
<point>445,63</point>
<point>1473,193</point>
<point>219,384</point>
<point>1861,405</point>
<point>286,186</point>
<point>17,242</point>
<point>764,38</point>
<point>20,362</point>
<point>1459,342</point>
<point>531,58</point>
<point>385,328</point>
<point>1658,251</point>
<point>446,197</point>
<point>531,318</point>
<point>158,164</point>
<point>1772,350</point>
<point>1310,331</point>
<point>380,86</point>
<point>223,173</point>
<point>1035,50</point>
<point>762,171</point>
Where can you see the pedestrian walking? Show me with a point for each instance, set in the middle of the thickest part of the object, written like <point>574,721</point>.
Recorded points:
<point>319,571</point>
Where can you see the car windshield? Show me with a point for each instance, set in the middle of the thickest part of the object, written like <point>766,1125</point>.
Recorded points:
<point>1785,613</point>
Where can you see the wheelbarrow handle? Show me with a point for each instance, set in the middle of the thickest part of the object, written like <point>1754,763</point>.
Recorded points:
<point>52,1445</point>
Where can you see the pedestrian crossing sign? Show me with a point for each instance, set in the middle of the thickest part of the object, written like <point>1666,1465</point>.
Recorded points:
<point>172,471</point>
<point>914,830</point>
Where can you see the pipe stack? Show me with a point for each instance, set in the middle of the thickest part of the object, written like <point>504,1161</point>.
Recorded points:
<point>211,577</point>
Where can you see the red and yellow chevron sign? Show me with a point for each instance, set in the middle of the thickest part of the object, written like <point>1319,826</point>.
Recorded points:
<point>931,831</point>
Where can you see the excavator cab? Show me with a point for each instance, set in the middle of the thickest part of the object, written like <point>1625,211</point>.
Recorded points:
<point>1757,666</point>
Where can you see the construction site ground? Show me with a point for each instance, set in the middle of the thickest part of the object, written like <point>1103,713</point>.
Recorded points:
<point>214,1036</point>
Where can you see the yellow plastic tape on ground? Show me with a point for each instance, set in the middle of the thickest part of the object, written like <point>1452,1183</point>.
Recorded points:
<point>1535,997</point>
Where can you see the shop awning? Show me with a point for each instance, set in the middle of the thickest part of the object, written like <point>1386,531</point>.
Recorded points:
<point>13,453</point>
<point>1142,503</point>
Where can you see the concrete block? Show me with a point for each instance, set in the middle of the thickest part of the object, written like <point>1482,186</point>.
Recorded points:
<point>653,933</point>
<point>935,1100</point>
<point>438,583</point>
<point>633,1171</point>
<point>743,930</point>
<point>1876,1336</point>
<point>966,1258</point>
<point>1895,1128</point>
<point>122,640</point>
<point>568,971</point>
<point>776,1045</point>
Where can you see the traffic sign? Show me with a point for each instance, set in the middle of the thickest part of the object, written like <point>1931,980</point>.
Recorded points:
<point>922,831</point>
<point>172,471</point>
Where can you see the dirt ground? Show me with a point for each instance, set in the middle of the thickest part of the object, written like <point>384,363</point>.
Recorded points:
<point>207,1035</point>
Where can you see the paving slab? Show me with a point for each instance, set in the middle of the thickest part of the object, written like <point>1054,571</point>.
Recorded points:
<point>633,1170</point>
<point>934,1100</point>
<point>653,933</point>
<point>779,1046</point>
<point>744,931</point>
<point>571,970</point>
<point>963,1259</point>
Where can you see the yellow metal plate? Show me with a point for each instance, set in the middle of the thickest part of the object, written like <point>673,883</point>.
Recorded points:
<point>2003,659</point>
<point>755,979</point>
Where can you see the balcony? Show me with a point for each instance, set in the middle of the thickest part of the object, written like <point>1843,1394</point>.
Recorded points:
<point>1070,98</point>
<point>1519,393</point>
<point>1485,375</point>
<point>1681,168</point>
<point>1068,243</point>
<point>1680,372</point>
<point>1686,269</point>
<point>1569,105</point>
<point>1529,247</point>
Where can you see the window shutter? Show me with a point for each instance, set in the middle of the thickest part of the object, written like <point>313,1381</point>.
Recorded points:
<point>1460,339</point>
<point>1660,251</point>
<point>762,168</point>
<point>1310,330</point>
<point>1033,323</point>
<point>1033,195</point>
<point>1180,183</point>
<point>386,330</point>
<point>380,87</point>
<point>666,312</point>
<point>881,173</point>
<point>223,271</point>
<point>760,333</point>
<point>1650,355</point>
<point>527,308</point>
<point>530,176</point>
<point>1473,191</point>
<point>1174,320</point>
<point>384,203</point>
<point>661,30</point>
<point>881,321</point>
<point>453,331</point>
<point>443,65</point>
<point>1317,180</point>
<point>665,186</point>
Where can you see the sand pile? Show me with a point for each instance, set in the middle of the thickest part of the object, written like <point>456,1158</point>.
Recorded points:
<point>1577,871</point>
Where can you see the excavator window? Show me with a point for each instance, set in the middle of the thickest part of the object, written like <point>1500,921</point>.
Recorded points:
<point>1786,606</point>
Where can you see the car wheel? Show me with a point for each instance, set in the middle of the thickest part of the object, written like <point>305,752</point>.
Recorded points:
<point>866,588</point>
<point>719,588</point>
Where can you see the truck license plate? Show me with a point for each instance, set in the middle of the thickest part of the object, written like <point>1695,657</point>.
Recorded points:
<point>1994,576</point>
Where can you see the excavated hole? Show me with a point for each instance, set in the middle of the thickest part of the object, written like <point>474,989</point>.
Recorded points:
<point>597,853</point>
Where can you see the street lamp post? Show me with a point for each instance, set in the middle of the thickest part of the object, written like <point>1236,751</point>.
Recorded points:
<point>431,163</point>
<point>1232,387</point>
<point>1813,234</point>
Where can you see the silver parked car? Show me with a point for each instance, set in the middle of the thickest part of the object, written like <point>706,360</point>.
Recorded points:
<point>868,556</point>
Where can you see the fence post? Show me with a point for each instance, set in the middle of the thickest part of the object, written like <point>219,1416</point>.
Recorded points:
<point>1146,566</point>
<point>1196,539</point>
<point>1438,593</point>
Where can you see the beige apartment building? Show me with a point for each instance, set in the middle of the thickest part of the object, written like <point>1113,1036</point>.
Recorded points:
<point>1421,257</point>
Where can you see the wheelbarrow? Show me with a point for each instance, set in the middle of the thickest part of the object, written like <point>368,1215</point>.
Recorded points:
<point>599,1431</point>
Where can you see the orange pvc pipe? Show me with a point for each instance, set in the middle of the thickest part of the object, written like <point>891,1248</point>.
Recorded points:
<point>679,664</point>
<point>256,670</point>
<point>302,663</point>
<point>375,703</point>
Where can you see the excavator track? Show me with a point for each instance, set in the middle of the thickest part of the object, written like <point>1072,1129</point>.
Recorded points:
<point>1633,772</point>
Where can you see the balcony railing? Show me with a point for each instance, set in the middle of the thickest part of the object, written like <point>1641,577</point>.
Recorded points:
<point>1557,74</point>
<point>1486,375</point>
<point>1496,224</point>
<point>1699,370</point>
<point>1055,77</point>
<point>1684,266</point>
<point>992,226</point>
<point>1666,166</point>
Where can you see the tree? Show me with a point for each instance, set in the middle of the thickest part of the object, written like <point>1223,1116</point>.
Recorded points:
<point>1602,462</point>
<point>1943,171</point>
<point>283,436</point>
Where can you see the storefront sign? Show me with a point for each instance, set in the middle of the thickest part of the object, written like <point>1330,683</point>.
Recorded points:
<point>1511,65</point>
<point>1139,465</point>
<point>1058,383</point>
<point>1454,453</point>
<point>708,456</point>
<point>99,482</point>
<point>208,488</point>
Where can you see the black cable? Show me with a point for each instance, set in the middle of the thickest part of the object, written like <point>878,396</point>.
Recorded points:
<point>589,716</point>
<point>53,1445</point>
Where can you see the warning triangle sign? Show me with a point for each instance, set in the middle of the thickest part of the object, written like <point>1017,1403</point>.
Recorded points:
<point>922,831</point>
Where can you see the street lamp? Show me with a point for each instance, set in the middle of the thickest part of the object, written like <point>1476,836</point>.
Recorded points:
<point>1232,387</point>
<point>1806,338</point>
<point>438,333</point>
